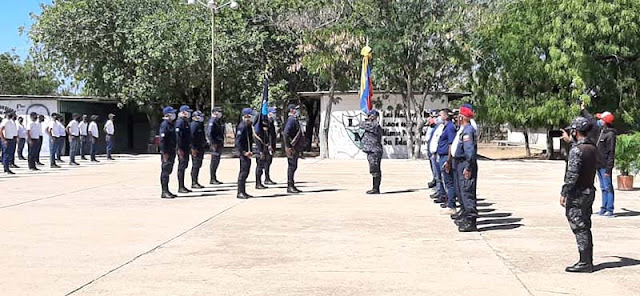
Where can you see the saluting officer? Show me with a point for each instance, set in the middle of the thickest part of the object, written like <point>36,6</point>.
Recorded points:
<point>465,164</point>
<point>372,146</point>
<point>578,191</point>
<point>167,149</point>
<point>215,135</point>
<point>260,136</point>
<point>292,140</point>
<point>244,141</point>
<point>183,135</point>
<point>271,142</point>
<point>197,149</point>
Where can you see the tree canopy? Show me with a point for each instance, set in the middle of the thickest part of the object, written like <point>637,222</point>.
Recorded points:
<point>24,78</point>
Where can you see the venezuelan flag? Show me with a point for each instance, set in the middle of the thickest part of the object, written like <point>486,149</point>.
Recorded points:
<point>366,86</point>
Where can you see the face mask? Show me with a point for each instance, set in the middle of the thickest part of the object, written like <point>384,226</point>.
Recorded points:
<point>171,116</point>
<point>599,123</point>
<point>439,120</point>
<point>271,115</point>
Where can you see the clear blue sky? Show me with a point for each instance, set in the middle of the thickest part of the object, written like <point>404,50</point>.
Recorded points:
<point>13,14</point>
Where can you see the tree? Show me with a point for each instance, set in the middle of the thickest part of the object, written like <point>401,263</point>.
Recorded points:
<point>24,78</point>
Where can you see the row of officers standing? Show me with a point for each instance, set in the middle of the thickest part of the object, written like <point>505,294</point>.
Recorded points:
<point>183,134</point>
<point>81,134</point>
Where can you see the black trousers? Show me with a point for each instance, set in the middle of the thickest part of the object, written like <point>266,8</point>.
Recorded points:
<point>292,167</point>
<point>216,153</point>
<point>261,164</point>
<point>34,149</point>
<point>167,158</point>
<point>197,156</point>
<point>39,149</point>
<point>245,166</point>
<point>578,213</point>
<point>183,163</point>
<point>268,159</point>
<point>467,190</point>
<point>21,142</point>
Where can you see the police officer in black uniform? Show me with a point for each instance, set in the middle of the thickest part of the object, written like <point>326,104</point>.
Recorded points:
<point>293,140</point>
<point>578,191</point>
<point>183,134</point>
<point>197,147</point>
<point>167,149</point>
<point>244,142</point>
<point>260,137</point>
<point>372,146</point>
<point>215,135</point>
<point>271,142</point>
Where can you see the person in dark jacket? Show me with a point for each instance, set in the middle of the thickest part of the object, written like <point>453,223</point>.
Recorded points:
<point>578,193</point>
<point>167,149</point>
<point>372,146</point>
<point>260,134</point>
<point>197,147</point>
<point>183,135</point>
<point>293,140</point>
<point>272,139</point>
<point>604,136</point>
<point>464,165</point>
<point>215,136</point>
<point>244,142</point>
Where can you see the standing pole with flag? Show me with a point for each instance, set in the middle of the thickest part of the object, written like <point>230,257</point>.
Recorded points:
<point>264,108</point>
<point>366,85</point>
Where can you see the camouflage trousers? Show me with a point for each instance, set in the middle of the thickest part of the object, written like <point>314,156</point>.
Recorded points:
<point>374,163</point>
<point>578,212</point>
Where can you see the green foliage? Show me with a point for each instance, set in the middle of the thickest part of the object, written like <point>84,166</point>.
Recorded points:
<point>18,78</point>
<point>628,153</point>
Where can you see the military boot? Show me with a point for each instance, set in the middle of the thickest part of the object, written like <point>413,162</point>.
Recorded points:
<point>215,181</point>
<point>196,185</point>
<point>184,190</point>
<point>431,184</point>
<point>259,185</point>
<point>584,265</point>
<point>457,215</point>
<point>292,189</point>
<point>167,194</point>
<point>376,186</point>
<point>468,225</point>
<point>268,181</point>
<point>434,195</point>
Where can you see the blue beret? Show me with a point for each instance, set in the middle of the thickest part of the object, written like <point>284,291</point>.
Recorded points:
<point>273,109</point>
<point>373,112</point>
<point>168,110</point>
<point>247,111</point>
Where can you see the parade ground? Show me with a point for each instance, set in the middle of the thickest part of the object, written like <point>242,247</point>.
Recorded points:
<point>102,229</point>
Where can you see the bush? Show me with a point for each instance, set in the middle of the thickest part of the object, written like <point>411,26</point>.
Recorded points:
<point>628,153</point>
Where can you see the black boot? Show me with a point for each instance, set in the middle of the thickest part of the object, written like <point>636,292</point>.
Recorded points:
<point>467,225</point>
<point>457,215</point>
<point>268,181</point>
<point>196,186</point>
<point>214,181</point>
<point>432,184</point>
<point>584,265</point>
<point>259,185</point>
<point>184,190</point>
<point>167,194</point>
<point>292,189</point>
<point>376,186</point>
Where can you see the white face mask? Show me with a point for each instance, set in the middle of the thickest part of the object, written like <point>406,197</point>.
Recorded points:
<point>171,116</point>
<point>439,120</point>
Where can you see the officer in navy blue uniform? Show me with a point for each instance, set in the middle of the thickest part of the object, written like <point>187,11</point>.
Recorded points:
<point>293,141</point>
<point>215,136</point>
<point>260,136</point>
<point>271,142</point>
<point>465,164</point>
<point>183,134</point>
<point>244,142</point>
<point>167,149</point>
<point>198,142</point>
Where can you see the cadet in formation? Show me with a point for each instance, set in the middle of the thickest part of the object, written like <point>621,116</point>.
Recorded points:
<point>293,140</point>
<point>464,164</point>
<point>578,191</point>
<point>271,145</point>
<point>73,130</point>
<point>215,136</point>
<point>167,149</point>
<point>34,131</point>
<point>260,136</point>
<point>8,136</point>
<point>372,146</point>
<point>243,144</point>
<point>197,147</point>
<point>183,135</point>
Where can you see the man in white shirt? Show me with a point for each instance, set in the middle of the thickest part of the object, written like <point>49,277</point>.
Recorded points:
<point>34,131</point>
<point>54,136</point>
<point>61,140</point>
<point>8,135</point>
<point>83,126</point>
<point>74,138</point>
<point>22,137</point>
<point>109,129</point>
<point>93,137</point>
<point>435,158</point>
<point>42,132</point>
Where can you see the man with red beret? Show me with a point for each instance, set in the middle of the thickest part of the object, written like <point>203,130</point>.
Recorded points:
<point>465,164</point>
<point>605,138</point>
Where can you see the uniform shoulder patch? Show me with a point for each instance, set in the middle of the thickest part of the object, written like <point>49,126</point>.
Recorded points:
<point>466,138</point>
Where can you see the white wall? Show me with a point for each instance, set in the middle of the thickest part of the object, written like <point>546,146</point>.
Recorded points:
<point>346,116</point>
<point>23,107</point>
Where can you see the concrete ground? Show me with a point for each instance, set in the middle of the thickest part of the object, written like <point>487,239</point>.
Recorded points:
<point>101,229</point>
